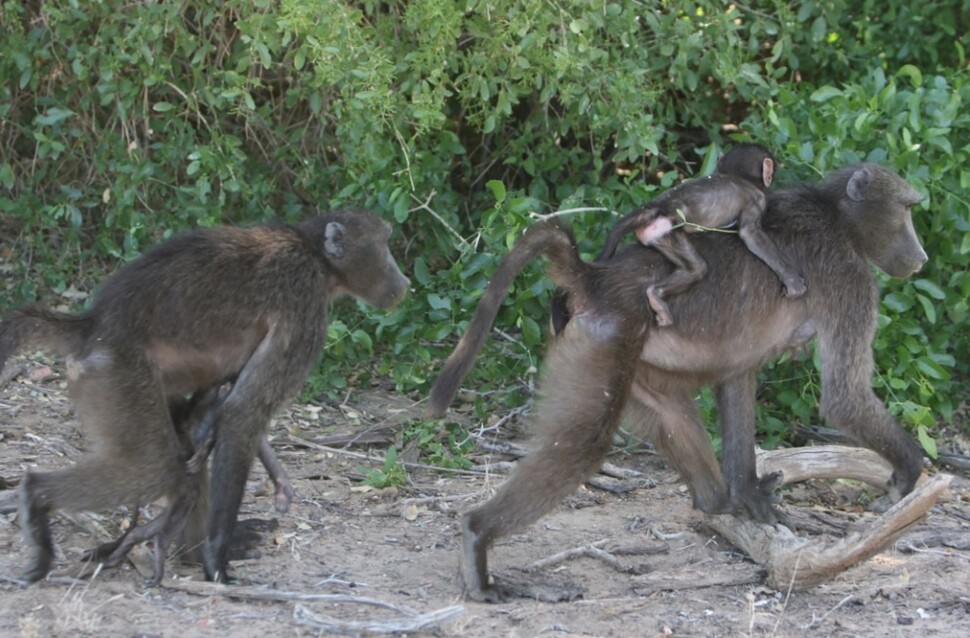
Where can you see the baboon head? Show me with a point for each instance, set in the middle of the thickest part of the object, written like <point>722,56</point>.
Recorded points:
<point>355,244</point>
<point>877,204</point>
<point>750,161</point>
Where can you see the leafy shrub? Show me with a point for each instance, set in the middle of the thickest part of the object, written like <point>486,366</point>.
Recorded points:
<point>121,123</point>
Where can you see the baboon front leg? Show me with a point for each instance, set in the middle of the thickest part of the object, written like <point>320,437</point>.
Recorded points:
<point>762,246</point>
<point>849,403</point>
<point>271,375</point>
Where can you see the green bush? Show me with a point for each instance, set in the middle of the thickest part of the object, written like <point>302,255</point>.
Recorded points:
<point>123,122</point>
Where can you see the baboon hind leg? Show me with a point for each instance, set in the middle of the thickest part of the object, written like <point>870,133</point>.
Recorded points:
<point>588,375</point>
<point>736,413</point>
<point>134,455</point>
<point>690,267</point>
<point>670,419</point>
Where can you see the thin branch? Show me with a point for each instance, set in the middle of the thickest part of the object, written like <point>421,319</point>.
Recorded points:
<point>572,211</point>
<point>410,624</point>
<point>424,206</point>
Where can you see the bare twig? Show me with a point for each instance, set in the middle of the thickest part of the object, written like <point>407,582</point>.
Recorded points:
<point>265,594</point>
<point>409,624</point>
<point>603,550</point>
<point>572,211</point>
<point>424,206</point>
<point>729,575</point>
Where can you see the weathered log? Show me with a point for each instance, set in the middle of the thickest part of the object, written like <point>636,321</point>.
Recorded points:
<point>797,562</point>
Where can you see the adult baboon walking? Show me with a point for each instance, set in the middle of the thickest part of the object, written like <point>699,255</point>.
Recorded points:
<point>249,305</point>
<point>724,333</point>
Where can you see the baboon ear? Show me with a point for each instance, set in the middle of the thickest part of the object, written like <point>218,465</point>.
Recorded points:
<point>333,239</point>
<point>767,171</point>
<point>858,185</point>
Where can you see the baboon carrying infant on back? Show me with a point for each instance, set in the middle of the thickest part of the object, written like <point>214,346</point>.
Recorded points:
<point>246,306</point>
<point>607,362</point>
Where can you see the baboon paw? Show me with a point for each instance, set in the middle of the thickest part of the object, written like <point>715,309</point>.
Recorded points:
<point>37,571</point>
<point>543,587</point>
<point>760,506</point>
<point>151,583</point>
<point>795,289</point>
<point>284,496</point>
<point>492,594</point>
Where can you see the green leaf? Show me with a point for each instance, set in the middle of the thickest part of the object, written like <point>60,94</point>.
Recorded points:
<point>437,302</point>
<point>825,94</point>
<point>928,442</point>
<point>361,338</point>
<point>898,302</point>
<point>914,74</point>
<point>497,188</point>
<point>162,107</point>
<point>930,288</point>
<point>52,116</point>
<point>927,307</point>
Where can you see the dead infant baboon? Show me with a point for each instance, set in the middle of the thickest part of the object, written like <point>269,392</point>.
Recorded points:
<point>733,194</point>
<point>606,360</point>
<point>247,304</point>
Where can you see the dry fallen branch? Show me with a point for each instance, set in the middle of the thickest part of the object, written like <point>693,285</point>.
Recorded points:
<point>603,550</point>
<point>411,623</point>
<point>730,575</point>
<point>409,620</point>
<point>826,462</point>
<point>266,594</point>
<point>798,562</point>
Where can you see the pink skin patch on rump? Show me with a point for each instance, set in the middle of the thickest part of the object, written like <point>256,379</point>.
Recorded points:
<point>654,230</point>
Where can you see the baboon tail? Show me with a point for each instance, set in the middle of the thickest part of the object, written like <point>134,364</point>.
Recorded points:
<point>548,238</point>
<point>642,216</point>
<point>58,332</point>
<point>627,224</point>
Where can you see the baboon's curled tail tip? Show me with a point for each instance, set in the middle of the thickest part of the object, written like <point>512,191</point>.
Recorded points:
<point>454,370</point>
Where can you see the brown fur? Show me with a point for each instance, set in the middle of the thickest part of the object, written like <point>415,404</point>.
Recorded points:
<point>733,194</point>
<point>213,304</point>
<point>728,325</point>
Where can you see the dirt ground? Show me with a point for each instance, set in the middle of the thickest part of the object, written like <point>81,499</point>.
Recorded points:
<point>347,554</point>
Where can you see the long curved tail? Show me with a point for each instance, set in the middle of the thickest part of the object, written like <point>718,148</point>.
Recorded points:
<point>566,269</point>
<point>60,333</point>
<point>626,224</point>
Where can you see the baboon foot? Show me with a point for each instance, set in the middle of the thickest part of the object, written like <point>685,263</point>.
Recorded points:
<point>40,566</point>
<point>795,288</point>
<point>544,587</point>
<point>248,535</point>
<point>492,594</point>
<point>284,496</point>
<point>759,500</point>
<point>660,308</point>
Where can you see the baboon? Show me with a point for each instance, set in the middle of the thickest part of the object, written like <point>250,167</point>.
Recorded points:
<point>248,304</point>
<point>734,194</point>
<point>194,420</point>
<point>724,333</point>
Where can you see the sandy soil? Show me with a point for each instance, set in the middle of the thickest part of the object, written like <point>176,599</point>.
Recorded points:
<point>352,554</point>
